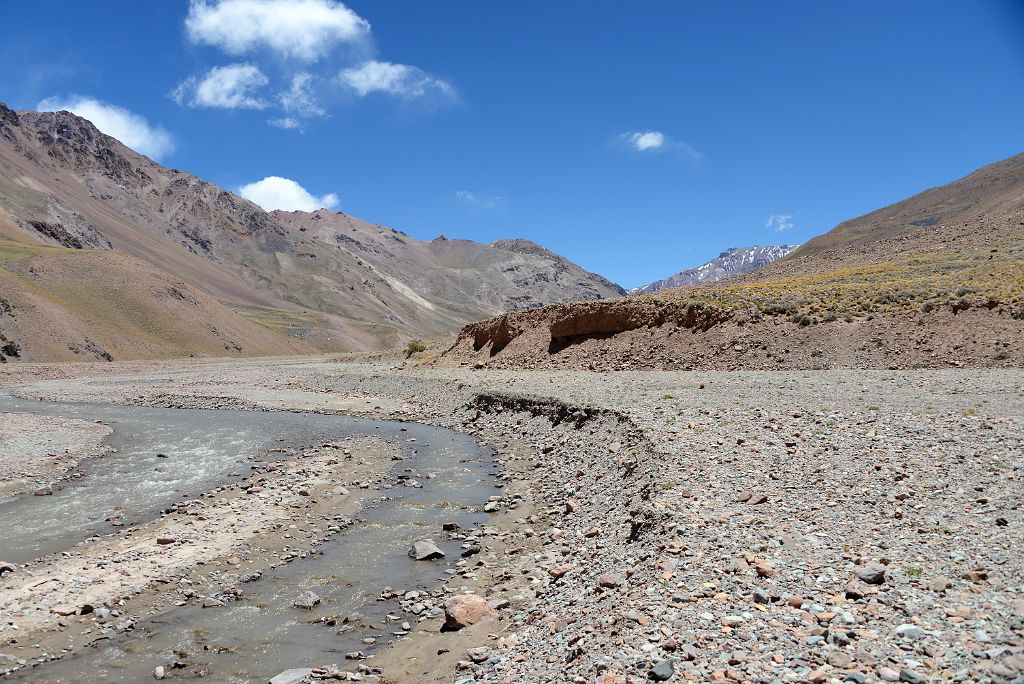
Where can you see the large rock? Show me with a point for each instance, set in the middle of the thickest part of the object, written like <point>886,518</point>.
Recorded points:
<point>872,574</point>
<point>293,676</point>
<point>425,549</point>
<point>465,610</point>
<point>306,599</point>
<point>7,567</point>
<point>662,672</point>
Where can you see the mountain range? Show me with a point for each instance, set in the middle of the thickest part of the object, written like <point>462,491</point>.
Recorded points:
<point>106,254</point>
<point>730,263</point>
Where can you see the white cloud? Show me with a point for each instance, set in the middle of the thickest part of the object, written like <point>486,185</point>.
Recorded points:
<point>305,30</point>
<point>287,123</point>
<point>299,98</point>
<point>274,192</point>
<point>779,222</point>
<point>648,140</point>
<point>477,200</point>
<point>227,87</point>
<point>656,141</point>
<point>394,79</point>
<point>131,129</point>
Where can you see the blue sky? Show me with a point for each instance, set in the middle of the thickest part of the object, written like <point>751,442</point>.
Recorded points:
<point>635,138</point>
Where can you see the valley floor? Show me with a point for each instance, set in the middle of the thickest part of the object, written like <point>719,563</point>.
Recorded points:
<point>725,526</point>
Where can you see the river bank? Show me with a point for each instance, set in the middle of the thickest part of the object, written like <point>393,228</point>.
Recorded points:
<point>38,451</point>
<point>821,526</point>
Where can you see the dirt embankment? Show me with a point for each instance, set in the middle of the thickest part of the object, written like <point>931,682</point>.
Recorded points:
<point>654,334</point>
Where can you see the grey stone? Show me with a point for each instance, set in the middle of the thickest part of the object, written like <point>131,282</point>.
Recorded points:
<point>306,599</point>
<point>908,675</point>
<point>425,549</point>
<point>293,676</point>
<point>873,574</point>
<point>663,671</point>
<point>909,631</point>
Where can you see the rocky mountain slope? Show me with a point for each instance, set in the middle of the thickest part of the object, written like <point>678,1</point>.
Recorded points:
<point>934,281</point>
<point>732,262</point>
<point>988,199</point>
<point>317,280</point>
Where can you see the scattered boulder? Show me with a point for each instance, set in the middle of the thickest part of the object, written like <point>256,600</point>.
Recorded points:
<point>306,600</point>
<point>610,580</point>
<point>662,672</point>
<point>425,549</point>
<point>478,654</point>
<point>872,574</point>
<point>465,610</point>
<point>293,676</point>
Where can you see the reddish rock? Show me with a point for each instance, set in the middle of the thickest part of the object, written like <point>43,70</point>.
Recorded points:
<point>465,610</point>
<point>610,580</point>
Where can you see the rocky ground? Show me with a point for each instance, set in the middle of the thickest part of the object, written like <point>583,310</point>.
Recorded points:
<point>38,450</point>
<point>723,526</point>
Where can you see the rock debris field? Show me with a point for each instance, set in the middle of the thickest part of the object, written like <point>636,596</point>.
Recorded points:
<point>692,526</point>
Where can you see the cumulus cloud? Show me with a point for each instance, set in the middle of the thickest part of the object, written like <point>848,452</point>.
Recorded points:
<point>656,141</point>
<point>305,30</point>
<point>394,79</point>
<point>274,192</point>
<point>482,201</point>
<point>779,222</point>
<point>131,129</point>
<point>234,86</point>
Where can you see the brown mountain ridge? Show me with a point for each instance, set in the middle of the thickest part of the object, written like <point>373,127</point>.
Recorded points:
<point>281,281</point>
<point>936,280</point>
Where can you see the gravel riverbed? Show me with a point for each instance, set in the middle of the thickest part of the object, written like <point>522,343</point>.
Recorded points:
<point>707,526</point>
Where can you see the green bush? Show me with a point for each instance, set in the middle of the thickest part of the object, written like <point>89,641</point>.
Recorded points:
<point>414,347</point>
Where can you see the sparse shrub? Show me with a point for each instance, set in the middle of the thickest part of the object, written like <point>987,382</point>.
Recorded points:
<point>914,571</point>
<point>415,347</point>
<point>11,349</point>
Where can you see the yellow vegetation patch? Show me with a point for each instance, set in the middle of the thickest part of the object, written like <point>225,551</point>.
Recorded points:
<point>910,282</point>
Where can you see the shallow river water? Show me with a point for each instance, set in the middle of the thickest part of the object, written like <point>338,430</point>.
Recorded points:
<point>261,635</point>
